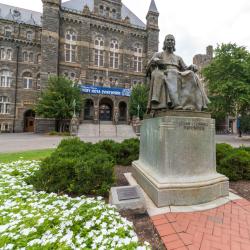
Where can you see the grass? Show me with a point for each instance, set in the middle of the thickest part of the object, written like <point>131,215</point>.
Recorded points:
<point>26,155</point>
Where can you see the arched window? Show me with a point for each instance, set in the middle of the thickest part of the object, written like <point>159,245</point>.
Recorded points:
<point>38,82</point>
<point>4,105</point>
<point>7,31</point>
<point>25,56</point>
<point>137,58</point>
<point>39,58</point>
<point>70,46</point>
<point>9,54</point>
<point>31,57</point>
<point>27,80</point>
<point>101,10</point>
<point>114,13</point>
<point>114,55</point>
<point>99,52</point>
<point>2,53</point>
<point>5,79</point>
<point>107,11</point>
<point>29,35</point>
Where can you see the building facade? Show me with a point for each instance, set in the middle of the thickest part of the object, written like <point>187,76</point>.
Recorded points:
<point>99,44</point>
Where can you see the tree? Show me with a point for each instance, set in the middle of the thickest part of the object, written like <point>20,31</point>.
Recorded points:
<point>57,100</point>
<point>228,80</point>
<point>139,97</point>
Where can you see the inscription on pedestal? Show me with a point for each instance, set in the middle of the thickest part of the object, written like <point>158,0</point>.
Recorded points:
<point>188,125</point>
<point>127,194</point>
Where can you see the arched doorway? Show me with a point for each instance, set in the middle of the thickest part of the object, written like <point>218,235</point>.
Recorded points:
<point>106,109</point>
<point>29,121</point>
<point>122,111</point>
<point>89,110</point>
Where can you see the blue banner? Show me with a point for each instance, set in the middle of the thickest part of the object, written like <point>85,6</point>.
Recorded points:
<point>89,89</point>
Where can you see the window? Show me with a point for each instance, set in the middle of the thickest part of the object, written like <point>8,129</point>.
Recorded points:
<point>137,58</point>
<point>29,35</point>
<point>39,59</point>
<point>107,11</point>
<point>101,10</point>
<point>31,57</point>
<point>27,80</point>
<point>5,79</point>
<point>2,54</point>
<point>114,13</point>
<point>99,52</point>
<point>5,127</point>
<point>7,31</point>
<point>113,55</point>
<point>70,46</point>
<point>38,82</point>
<point>4,105</point>
<point>9,54</point>
<point>25,56</point>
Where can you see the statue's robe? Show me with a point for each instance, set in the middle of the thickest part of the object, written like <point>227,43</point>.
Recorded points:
<point>172,82</point>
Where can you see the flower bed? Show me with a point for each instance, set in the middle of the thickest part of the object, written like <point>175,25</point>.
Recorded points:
<point>37,220</point>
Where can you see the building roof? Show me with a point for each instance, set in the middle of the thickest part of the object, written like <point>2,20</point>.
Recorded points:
<point>152,7</point>
<point>125,12</point>
<point>35,18</point>
<point>20,15</point>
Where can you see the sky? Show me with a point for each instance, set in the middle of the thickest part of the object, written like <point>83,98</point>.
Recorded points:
<point>194,23</point>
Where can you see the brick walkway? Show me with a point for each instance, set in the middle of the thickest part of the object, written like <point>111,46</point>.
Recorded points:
<point>226,228</point>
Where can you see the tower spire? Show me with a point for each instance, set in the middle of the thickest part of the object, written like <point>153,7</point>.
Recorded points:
<point>152,7</point>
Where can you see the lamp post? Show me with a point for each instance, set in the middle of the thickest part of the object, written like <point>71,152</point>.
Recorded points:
<point>138,110</point>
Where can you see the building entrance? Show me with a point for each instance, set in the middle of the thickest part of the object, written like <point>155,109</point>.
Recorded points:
<point>29,121</point>
<point>106,110</point>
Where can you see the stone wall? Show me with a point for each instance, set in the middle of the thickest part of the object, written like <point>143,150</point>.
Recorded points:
<point>45,125</point>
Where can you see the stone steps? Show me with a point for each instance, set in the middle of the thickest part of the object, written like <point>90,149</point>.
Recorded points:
<point>105,130</point>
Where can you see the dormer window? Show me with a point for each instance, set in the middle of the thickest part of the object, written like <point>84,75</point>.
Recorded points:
<point>107,11</point>
<point>7,31</point>
<point>101,10</point>
<point>29,35</point>
<point>114,13</point>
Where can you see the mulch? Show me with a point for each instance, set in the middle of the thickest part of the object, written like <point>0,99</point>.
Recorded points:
<point>241,188</point>
<point>143,226</point>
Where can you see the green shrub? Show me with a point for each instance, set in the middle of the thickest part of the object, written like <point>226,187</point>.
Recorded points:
<point>76,168</point>
<point>222,150</point>
<point>109,146</point>
<point>236,165</point>
<point>128,151</point>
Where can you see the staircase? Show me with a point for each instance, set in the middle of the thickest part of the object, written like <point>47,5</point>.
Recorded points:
<point>105,130</point>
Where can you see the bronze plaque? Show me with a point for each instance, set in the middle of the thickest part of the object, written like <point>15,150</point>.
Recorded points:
<point>127,193</point>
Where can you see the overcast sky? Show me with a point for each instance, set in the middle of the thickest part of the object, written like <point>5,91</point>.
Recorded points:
<point>194,23</point>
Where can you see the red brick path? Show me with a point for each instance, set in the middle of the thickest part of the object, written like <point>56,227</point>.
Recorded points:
<point>226,228</point>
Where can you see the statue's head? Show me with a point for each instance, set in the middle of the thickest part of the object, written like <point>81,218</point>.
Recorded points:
<point>169,43</point>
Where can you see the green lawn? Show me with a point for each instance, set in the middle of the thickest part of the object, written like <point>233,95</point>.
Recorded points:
<point>26,155</point>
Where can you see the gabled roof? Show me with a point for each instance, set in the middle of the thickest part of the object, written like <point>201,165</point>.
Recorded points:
<point>125,12</point>
<point>20,15</point>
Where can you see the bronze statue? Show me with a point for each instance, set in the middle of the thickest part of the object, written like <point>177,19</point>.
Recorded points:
<point>173,85</point>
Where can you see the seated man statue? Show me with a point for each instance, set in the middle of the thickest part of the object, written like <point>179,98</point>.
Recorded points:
<point>173,84</point>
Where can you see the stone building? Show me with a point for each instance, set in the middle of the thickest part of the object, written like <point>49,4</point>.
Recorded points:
<point>99,44</point>
<point>202,60</point>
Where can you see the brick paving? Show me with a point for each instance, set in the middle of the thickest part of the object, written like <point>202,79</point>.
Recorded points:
<point>226,227</point>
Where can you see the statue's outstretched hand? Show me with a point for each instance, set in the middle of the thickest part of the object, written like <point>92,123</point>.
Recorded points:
<point>193,67</point>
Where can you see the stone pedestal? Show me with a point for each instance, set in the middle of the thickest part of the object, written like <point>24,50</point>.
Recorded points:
<point>177,164</point>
